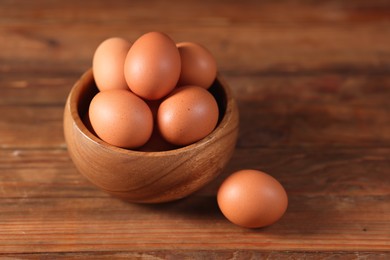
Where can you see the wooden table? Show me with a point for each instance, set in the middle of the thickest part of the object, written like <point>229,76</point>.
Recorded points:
<point>312,80</point>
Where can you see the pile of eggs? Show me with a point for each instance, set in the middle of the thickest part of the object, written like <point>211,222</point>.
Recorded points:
<point>156,90</point>
<point>153,88</point>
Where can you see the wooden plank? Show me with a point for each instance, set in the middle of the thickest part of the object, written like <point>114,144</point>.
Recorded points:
<point>214,13</point>
<point>271,48</point>
<point>317,170</point>
<point>284,124</point>
<point>311,80</point>
<point>364,89</point>
<point>344,110</point>
<point>31,126</point>
<point>312,223</point>
<point>334,35</point>
<point>334,204</point>
<point>41,173</point>
<point>320,171</point>
<point>325,109</point>
<point>206,254</point>
<point>275,125</point>
<point>26,88</point>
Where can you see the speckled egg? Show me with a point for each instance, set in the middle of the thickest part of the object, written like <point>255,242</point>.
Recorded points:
<point>198,66</point>
<point>187,115</point>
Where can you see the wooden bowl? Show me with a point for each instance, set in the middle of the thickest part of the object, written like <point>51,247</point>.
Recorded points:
<point>148,177</point>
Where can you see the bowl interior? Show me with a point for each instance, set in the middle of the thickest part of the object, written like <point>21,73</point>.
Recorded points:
<point>85,89</point>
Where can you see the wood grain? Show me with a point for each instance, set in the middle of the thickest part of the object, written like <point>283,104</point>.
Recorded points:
<point>149,177</point>
<point>312,224</point>
<point>311,79</point>
<point>245,38</point>
<point>201,254</point>
<point>351,110</point>
<point>320,171</point>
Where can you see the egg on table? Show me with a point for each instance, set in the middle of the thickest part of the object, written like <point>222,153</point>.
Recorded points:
<point>252,199</point>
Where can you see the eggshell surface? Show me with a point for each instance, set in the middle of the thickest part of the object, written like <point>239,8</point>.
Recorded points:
<point>252,199</point>
<point>187,115</point>
<point>152,66</point>
<point>107,64</point>
<point>198,66</point>
<point>121,118</point>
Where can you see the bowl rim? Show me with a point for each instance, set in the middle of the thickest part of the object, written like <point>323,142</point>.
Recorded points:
<point>87,76</point>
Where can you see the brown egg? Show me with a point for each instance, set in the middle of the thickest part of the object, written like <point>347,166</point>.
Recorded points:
<point>187,115</point>
<point>252,199</point>
<point>121,118</point>
<point>198,66</point>
<point>108,62</point>
<point>152,66</point>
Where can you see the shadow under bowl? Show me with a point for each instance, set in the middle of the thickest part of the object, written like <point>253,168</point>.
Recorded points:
<point>153,176</point>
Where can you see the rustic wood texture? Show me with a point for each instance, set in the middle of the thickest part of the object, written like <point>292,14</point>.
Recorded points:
<point>312,81</point>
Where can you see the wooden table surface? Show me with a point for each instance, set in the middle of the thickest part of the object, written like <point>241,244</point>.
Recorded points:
<point>312,81</point>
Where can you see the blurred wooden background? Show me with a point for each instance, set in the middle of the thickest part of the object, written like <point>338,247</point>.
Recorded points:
<point>312,80</point>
